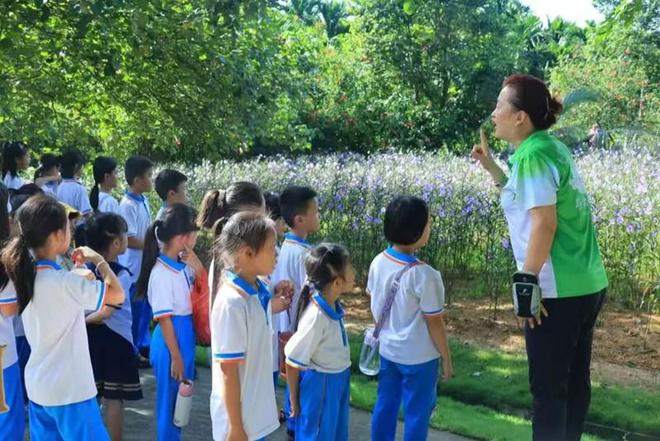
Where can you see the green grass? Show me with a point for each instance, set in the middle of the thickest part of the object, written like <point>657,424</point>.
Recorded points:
<point>499,381</point>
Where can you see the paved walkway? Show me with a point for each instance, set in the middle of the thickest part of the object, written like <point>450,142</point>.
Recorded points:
<point>140,424</point>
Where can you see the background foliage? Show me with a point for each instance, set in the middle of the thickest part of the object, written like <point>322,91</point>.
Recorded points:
<point>189,79</point>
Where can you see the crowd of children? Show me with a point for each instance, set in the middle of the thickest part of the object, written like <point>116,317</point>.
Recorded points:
<point>78,323</point>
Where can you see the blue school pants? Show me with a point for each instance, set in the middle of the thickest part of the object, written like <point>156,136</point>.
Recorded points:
<point>141,314</point>
<point>323,406</point>
<point>416,384</point>
<point>166,386</point>
<point>23,350</point>
<point>77,421</point>
<point>12,423</point>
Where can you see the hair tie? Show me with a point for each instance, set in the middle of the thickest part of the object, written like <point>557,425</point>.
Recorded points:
<point>156,234</point>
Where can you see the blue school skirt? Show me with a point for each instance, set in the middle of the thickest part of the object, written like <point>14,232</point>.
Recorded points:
<point>12,423</point>
<point>324,406</point>
<point>166,386</point>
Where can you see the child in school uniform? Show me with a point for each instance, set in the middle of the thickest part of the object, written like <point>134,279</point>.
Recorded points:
<point>12,423</point>
<point>52,302</point>
<point>171,188</point>
<point>105,180</point>
<point>413,340</point>
<point>318,355</point>
<point>49,168</point>
<point>109,330</point>
<point>242,397</point>
<point>300,211</point>
<point>71,191</point>
<point>167,277</point>
<point>134,208</point>
<point>15,157</point>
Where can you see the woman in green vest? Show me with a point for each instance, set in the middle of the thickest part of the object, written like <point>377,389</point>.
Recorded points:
<point>554,244</point>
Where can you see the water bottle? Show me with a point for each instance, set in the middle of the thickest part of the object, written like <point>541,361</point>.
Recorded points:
<point>183,404</point>
<point>369,354</point>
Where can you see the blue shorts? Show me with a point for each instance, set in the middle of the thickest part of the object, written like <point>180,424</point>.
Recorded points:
<point>77,421</point>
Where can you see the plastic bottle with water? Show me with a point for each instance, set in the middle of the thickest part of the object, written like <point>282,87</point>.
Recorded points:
<point>183,404</point>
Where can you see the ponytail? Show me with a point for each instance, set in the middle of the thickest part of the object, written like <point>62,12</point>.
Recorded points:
<point>149,256</point>
<point>103,165</point>
<point>303,302</point>
<point>211,211</point>
<point>4,231</point>
<point>38,218</point>
<point>20,269</point>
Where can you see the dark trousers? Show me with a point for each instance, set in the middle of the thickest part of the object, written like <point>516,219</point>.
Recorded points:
<point>559,355</point>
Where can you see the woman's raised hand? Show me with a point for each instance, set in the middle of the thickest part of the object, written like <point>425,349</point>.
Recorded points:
<point>481,152</point>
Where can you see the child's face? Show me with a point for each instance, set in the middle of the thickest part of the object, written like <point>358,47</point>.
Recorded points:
<point>62,238</point>
<point>144,183</point>
<point>111,179</point>
<point>263,261</point>
<point>53,171</point>
<point>310,222</point>
<point>23,162</point>
<point>120,245</point>
<point>190,240</point>
<point>180,196</point>
<point>347,282</point>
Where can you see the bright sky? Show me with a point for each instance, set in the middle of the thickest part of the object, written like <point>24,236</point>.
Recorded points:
<point>577,11</point>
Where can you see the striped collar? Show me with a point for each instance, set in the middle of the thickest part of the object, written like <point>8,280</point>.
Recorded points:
<point>46,264</point>
<point>336,313</point>
<point>292,238</point>
<point>136,197</point>
<point>399,257</point>
<point>262,291</point>
<point>170,263</point>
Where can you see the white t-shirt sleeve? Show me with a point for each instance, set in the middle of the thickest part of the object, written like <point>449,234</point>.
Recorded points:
<point>90,294</point>
<point>8,294</point>
<point>537,182</point>
<point>161,296</point>
<point>229,331</point>
<point>82,199</point>
<point>127,211</point>
<point>108,204</point>
<point>428,286</point>
<point>302,345</point>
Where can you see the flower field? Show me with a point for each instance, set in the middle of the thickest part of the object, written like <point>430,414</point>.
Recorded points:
<point>469,242</point>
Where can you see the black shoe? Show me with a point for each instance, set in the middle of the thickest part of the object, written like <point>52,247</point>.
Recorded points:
<point>291,435</point>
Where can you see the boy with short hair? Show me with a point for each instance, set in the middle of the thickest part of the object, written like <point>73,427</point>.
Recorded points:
<point>300,210</point>
<point>171,188</point>
<point>70,190</point>
<point>134,208</point>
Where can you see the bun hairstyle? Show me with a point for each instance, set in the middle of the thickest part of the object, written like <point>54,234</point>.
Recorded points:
<point>531,95</point>
<point>219,205</point>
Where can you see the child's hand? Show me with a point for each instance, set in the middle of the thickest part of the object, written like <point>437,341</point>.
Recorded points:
<point>447,370</point>
<point>85,254</point>
<point>190,258</point>
<point>284,289</point>
<point>177,367</point>
<point>236,434</point>
<point>295,408</point>
<point>84,272</point>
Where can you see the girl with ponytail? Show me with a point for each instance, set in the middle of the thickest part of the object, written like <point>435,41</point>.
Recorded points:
<point>105,180</point>
<point>167,276</point>
<point>58,376</point>
<point>319,347</point>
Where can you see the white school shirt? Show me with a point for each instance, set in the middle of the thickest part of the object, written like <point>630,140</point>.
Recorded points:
<point>170,285</point>
<point>290,266</point>
<point>240,334</point>
<point>320,343</point>
<point>405,338</point>
<point>73,193</point>
<point>50,188</point>
<point>59,370</point>
<point>161,211</point>
<point>13,182</point>
<point>7,336</point>
<point>135,211</point>
<point>107,203</point>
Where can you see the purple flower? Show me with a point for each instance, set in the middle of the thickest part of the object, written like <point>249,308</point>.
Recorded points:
<point>505,243</point>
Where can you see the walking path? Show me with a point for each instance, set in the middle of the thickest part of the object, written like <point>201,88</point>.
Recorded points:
<point>140,424</point>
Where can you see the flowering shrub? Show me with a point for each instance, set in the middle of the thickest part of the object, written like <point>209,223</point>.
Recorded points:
<point>469,242</point>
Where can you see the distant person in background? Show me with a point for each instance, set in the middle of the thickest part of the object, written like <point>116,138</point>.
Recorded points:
<point>171,188</point>
<point>15,157</point>
<point>554,243</point>
<point>71,191</point>
<point>49,167</point>
<point>105,180</point>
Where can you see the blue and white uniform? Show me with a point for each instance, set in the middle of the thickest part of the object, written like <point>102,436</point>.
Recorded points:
<point>73,193</point>
<point>170,286</point>
<point>240,333</point>
<point>13,182</point>
<point>409,358</point>
<point>50,188</point>
<point>12,423</point>
<point>59,378</point>
<point>134,208</point>
<point>107,203</point>
<point>320,348</point>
